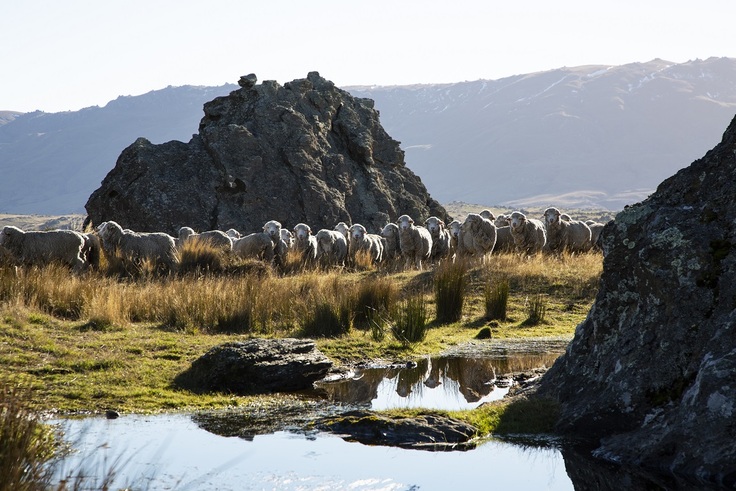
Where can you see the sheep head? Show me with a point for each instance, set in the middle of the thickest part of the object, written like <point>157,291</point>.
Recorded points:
<point>302,232</point>
<point>552,217</point>
<point>517,220</point>
<point>273,229</point>
<point>435,226</point>
<point>358,231</point>
<point>9,234</point>
<point>455,228</point>
<point>390,230</point>
<point>488,215</point>
<point>185,233</point>
<point>404,222</point>
<point>343,228</point>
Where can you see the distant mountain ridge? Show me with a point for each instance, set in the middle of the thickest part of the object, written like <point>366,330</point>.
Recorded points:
<point>597,136</point>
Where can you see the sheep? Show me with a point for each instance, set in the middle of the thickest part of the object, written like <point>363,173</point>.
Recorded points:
<point>332,247</point>
<point>529,234</point>
<point>91,250</point>
<point>595,231</point>
<point>454,228</point>
<point>233,234</point>
<point>390,233</point>
<point>488,215</point>
<point>477,237</point>
<point>134,247</point>
<point>305,242</point>
<point>344,229</point>
<point>287,237</point>
<point>361,240</point>
<point>40,248</point>
<point>501,221</point>
<point>504,239</point>
<point>415,241</point>
<point>216,238</point>
<point>273,228</point>
<point>440,238</point>
<point>257,245</point>
<point>564,235</point>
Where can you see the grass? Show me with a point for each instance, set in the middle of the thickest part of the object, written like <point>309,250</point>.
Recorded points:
<point>449,288</point>
<point>98,341</point>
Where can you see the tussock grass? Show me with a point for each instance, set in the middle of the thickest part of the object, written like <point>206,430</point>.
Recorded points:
<point>139,332</point>
<point>26,444</point>
<point>449,290</point>
<point>410,320</point>
<point>496,299</point>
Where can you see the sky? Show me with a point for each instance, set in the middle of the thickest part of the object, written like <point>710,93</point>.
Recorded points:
<point>67,55</point>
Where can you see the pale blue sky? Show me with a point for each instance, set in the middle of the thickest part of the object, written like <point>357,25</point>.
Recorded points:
<point>65,55</point>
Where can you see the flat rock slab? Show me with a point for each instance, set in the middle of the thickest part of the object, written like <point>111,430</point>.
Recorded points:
<point>256,366</point>
<point>423,432</point>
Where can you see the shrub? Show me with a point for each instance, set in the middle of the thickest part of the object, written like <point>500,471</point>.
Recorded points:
<point>496,299</point>
<point>410,321</point>
<point>26,445</point>
<point>449,286</point>
<point>536,310</point>
<point>375,298</point>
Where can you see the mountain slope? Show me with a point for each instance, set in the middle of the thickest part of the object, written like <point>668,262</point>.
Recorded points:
<point>51,162</point>
<point>592,135</point>
<point>596,136</point>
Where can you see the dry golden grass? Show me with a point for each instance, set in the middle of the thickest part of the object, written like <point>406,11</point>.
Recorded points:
<point>51,320</point>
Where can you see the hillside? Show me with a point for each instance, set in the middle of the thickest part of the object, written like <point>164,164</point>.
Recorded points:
<point>582,137</point>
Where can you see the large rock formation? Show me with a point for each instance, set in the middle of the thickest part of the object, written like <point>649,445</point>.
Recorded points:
<point>305,152</point>
<point>650,372</point>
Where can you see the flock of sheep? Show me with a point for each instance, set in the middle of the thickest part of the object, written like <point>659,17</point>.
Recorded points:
<point>479,235</point>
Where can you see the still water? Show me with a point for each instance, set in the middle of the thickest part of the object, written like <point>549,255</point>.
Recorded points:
<point>173,451</point>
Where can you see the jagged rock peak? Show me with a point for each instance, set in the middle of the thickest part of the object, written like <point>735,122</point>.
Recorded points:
<point>649,373</point>
<point>306,152</point>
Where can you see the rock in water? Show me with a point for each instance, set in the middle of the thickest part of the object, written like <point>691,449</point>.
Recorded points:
<point>650,372</point>
<point>257,366</point>
<point>305,152</point>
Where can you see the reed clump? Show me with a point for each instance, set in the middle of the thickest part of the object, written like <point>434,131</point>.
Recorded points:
<point>450,280</point>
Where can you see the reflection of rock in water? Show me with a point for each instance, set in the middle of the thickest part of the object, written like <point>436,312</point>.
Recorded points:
<point>474,375</point>
<point>585,472</point>
<point>359,390</point>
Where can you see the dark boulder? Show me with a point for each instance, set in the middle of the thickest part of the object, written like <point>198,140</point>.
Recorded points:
<point>650,372</point>
<point>303,152</point>
<point>256,366</point>
<point>422,432</point>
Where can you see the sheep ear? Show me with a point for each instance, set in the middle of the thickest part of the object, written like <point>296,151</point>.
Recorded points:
<point>411,220</point>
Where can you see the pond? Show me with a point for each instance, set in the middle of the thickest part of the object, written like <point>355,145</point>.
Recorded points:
<point>172,452</point>
<point>242,450</point>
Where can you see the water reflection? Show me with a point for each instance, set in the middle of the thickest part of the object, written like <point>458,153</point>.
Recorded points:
<point>449,383</point>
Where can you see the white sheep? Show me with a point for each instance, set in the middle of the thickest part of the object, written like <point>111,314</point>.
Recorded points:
<point>332,247</point>
<point>344,229</point>
<point>305,242</point>
<point>504,239</point>
<point>529,234</point>
<point>454,228</point>
<point>440,238</point>
<point>133,247</point>
<point>488,215</point>
<point>273,228</point>
<point>477,237</point>
<point>215,238</point>
<point>92,250</point>
<point>44,247</point>
<point>390,233</point>
<point>566,235</point>
<point>415,241</point>
<point>501,221</point>
<point>361,240</point>
<point>595,231</point>
<point>257,245</point>
<point>233,234</point>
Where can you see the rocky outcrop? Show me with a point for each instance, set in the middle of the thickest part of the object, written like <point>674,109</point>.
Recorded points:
<point>303,152</point>
<point>650,372</point>
<point>256,366</point>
